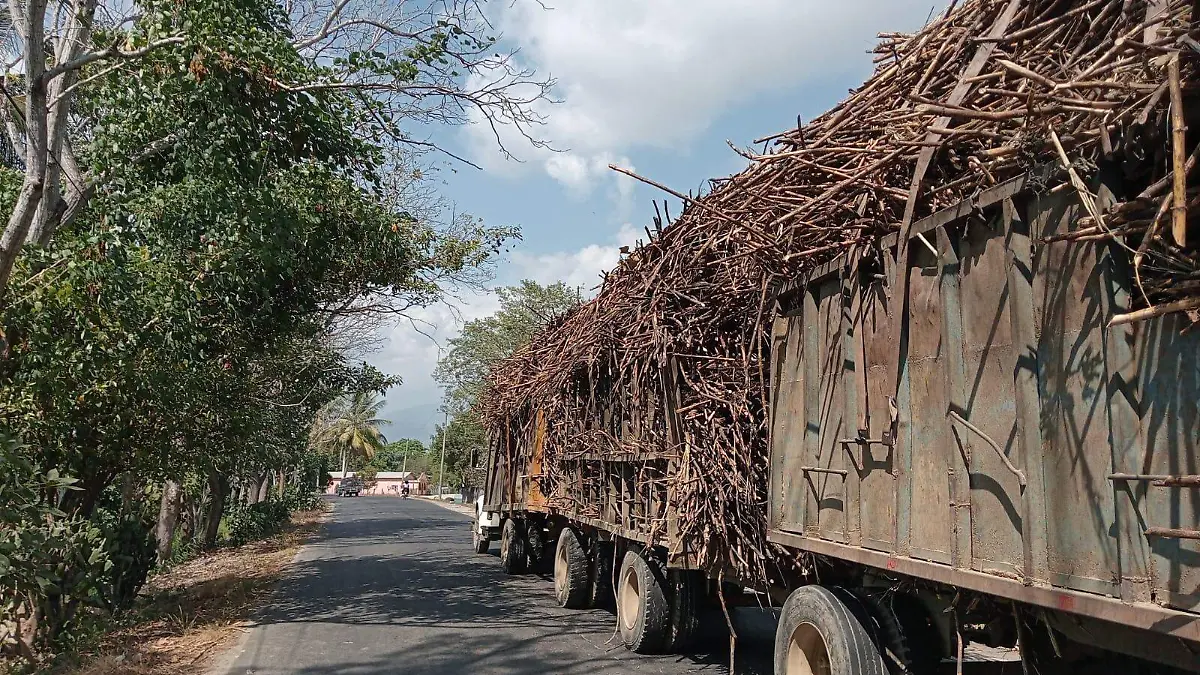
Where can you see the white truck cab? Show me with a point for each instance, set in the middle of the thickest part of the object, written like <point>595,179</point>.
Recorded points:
<point>485,527</point>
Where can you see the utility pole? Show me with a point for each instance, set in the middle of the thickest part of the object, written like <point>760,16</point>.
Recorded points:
<point>442,470</point>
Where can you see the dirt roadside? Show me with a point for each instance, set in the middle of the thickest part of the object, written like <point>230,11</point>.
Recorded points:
<point>189,615</point>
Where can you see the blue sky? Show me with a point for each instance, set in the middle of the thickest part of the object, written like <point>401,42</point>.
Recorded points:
<point>653,85</point>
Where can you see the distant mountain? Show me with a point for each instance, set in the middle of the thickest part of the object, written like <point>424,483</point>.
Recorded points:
<point>418,421</point>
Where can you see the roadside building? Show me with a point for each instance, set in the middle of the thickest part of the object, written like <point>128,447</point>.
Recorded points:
<point>388,483</point>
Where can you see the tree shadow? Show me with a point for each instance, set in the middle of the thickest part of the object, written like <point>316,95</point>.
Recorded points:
<point>400,590</point>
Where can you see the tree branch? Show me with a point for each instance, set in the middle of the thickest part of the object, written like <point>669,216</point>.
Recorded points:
<point>111,52</point>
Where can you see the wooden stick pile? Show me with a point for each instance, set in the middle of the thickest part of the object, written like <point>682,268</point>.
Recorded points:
<point>672,354</point>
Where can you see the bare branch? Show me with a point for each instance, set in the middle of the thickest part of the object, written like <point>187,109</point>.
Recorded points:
<point>112,52</point>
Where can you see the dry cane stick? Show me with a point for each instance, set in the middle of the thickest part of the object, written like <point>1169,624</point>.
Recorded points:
<point>728,621</point>
<point>1155,310</point>
<point>1151,233</point>
<point>1178,131</point>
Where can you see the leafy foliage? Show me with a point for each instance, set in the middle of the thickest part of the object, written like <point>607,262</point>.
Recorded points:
<point>349,426</point>
<point>466,442</point>
<point>368,475</point>
<point>52,566</point>
<point>406,454</point>
<point>523,310</point>
<point>464,369</point>
<point>188,321</point>
<point>249,522</point>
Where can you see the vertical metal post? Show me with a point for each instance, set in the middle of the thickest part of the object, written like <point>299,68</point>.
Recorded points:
<point>442,469</point>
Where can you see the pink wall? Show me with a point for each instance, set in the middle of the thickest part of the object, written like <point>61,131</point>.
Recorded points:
<point>384,486</point>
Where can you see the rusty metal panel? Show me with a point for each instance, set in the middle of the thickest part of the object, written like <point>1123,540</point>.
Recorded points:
<point>811,336</point>
<point>854,403</point>
<point>990,359</point>
<point>779,422</point>
<point>1127,441</point>
<point>1067,401</point>
<point>830,487</point>
<point>788,485</point>
<point>1170,387</point>
<point>1073,307</point>
<point>536,497</point>
<point>928,433</point>
<point>959,467</point>
<point>1019,246</point>
<point>878,459</point>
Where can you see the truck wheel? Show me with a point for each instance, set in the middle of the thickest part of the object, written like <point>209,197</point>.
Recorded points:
<point>819,634</point>
<point>535,548</point>
<point>512,547</point>
<point>479,542</point>
<point>686,590</point>
<point>912,638</point>
<point>570,571</point>
<point>600,576</point>
<point>642,606</point>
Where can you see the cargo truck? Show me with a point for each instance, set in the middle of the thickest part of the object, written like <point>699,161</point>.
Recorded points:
<point>1033,483</point>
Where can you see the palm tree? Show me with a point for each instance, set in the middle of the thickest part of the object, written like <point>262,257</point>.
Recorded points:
<point>349,425</point>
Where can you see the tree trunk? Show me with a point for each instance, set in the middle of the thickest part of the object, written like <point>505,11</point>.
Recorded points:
<point>129,487</point>
<point>264,488</point>
<point>282,483</point>
<point>31,23</point>
<point>168,517</point>
<point>218,486</point>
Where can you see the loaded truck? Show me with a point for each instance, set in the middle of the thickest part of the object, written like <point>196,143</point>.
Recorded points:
<point>979,417</point>
<point>1044,465</point>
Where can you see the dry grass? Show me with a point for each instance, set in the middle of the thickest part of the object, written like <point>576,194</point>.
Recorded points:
<point>190,614</point>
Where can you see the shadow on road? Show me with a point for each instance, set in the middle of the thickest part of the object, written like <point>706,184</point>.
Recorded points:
<point>398,590</point>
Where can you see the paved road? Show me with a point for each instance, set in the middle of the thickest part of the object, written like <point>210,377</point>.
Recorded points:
<point>391,586</point>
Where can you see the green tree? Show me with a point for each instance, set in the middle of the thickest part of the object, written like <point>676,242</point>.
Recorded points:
<point>350,427</point>
<point>219,225</point>
<point>401,455</point>
<point>524,309</point>
<point>466,443</point>
<point>368,475</point>
<point>385,60</point>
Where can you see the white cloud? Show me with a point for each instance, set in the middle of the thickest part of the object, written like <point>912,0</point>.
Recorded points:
<point>582,267</point>
<point>636,74</point>
<point>411,350</point>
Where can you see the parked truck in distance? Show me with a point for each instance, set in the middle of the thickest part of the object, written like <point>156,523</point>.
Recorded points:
<point>349,487</point>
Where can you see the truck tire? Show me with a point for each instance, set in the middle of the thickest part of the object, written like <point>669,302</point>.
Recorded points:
<point>686,591</point>
<point>570,571</point>
<point>479,543</point>
<point>914,643</point>
<point>600,576</point>
<point>642,606</point>
<point>819,633</point>
<point>540,560</point>
<point>512,547</point>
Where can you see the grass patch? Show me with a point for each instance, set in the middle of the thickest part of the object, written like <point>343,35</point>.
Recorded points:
<point>188,615</point>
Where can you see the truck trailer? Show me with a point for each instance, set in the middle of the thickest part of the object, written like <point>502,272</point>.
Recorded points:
<point>1043,465</point>
<point>978,424</point>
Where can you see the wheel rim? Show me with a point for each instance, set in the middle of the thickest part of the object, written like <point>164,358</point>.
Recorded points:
<point>630,597</point>
<point>807,653</point>
<point>560,568</point>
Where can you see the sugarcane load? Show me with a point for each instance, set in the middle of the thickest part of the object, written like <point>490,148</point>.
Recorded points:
<point>930,358</point>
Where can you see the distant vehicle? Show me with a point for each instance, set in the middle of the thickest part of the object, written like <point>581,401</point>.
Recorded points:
<point>350,487</point>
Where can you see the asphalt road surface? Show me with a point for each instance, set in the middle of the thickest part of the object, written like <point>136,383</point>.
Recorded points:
<point>391,586</point>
